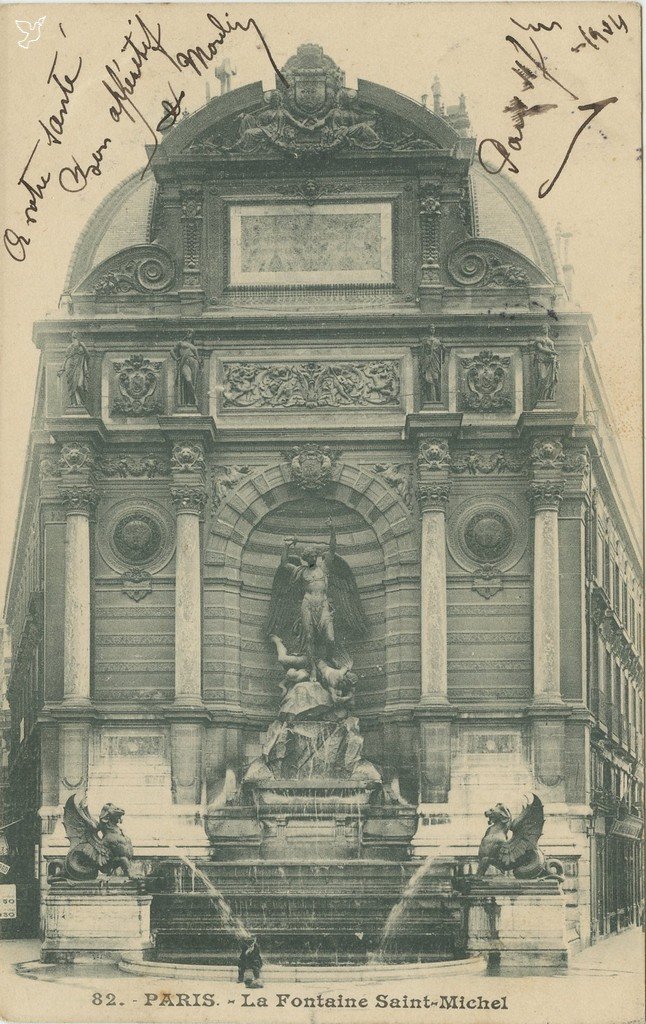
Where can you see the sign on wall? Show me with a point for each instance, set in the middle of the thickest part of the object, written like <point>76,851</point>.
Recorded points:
<point>7,902</point>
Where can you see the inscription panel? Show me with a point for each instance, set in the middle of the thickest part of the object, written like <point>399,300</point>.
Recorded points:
<point>322,243</point>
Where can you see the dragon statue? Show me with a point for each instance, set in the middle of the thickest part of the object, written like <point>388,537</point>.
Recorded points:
<point>520,854</point>
<point>95,845</point>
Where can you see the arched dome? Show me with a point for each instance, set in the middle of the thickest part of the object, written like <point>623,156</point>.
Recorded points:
<point>500,210</point>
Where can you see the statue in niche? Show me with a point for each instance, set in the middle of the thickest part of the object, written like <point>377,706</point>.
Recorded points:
<point>546,366</point>
<point>76,373</point>
<point>315,616</point>
<point>188,367</point>
<point>313,587</point>
<point>432,358</point>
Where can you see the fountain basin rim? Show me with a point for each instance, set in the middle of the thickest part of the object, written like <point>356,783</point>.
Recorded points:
<point>365,973</point>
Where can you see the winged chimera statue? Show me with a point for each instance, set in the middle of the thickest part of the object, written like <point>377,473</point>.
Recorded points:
<point>95,845</point>
<point>315,612</point>
<point>520,854</point>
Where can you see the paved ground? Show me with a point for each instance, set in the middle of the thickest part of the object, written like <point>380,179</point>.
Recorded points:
<point>604,985</point>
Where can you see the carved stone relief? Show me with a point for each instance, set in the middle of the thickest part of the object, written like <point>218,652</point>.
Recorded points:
<point>485,382</point>
<point>311,385</point>
<point>400,479</point>
<point>136,534</point>
<point>487,536</point>
<point>226,480</point>
<point>138,389</point>
<point>311,466</point>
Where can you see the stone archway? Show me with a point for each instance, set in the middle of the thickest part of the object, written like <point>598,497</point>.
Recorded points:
<point>377,511</point>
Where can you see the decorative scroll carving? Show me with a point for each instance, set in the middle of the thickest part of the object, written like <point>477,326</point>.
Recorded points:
<point>433,455</point>
<point>311,385</point>
<point>545,365</point>
<point>82,499</point>
<point>546,496</point>
<point>226,480</point>
<point>136,584</point>
<point>75,372</point>
<point>192,227</point>
<point>138,380</point>
<point>188,499</point>
<point>431,367</point>
<point>311,466</point>
<point>547,454</point>
<point>124,466</point>
<point>429,215</point>
<point>76,458</point>
<point>188,370</point>
<point>399,478</point>
<point>138,270</point>
<point>433,497</point>
<point>486,382</point>
<point>187,457</point>
<point>488,462</point>
<point>484,264</point>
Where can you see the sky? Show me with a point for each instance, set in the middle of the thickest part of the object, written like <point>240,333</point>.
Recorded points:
<point>596,198</point>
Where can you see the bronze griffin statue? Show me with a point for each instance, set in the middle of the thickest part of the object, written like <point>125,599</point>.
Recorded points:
<point>520,854</point>
<point>95,845</point>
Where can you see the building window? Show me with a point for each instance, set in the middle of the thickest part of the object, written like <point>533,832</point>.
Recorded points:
<point>631,617</point>
<point>606,566</point>
<point>615,587</point>
<point>624,603</point>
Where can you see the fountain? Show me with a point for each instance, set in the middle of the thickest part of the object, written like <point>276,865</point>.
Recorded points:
<point>311,848</point>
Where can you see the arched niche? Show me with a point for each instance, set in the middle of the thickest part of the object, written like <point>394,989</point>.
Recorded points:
<point>305,518</point>
<point>378,538</point>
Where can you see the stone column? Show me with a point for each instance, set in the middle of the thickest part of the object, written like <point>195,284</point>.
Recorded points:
<point>433,462</point>
<point>546,497</point>
<point>189,497</point>
<point>79,498</point>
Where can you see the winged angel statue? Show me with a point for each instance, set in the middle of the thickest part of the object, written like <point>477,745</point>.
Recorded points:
<point>316,610</point>
<point>315,617</point>
<point>95,845</point>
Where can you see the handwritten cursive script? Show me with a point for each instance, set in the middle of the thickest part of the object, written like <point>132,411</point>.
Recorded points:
<point>532,67</point>
<point>121,79</point>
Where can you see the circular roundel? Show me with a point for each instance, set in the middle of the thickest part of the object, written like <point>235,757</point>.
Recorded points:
<point>486,531</point>
<point>137,537</point>
<point>488,536</point>
<point>136,534</point>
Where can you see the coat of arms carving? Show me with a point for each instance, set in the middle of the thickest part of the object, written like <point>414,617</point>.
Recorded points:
<point>138,382</point>
<point>311,466</point>
<point>486,382</point>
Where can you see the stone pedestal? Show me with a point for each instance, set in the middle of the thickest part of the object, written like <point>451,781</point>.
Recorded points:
<point>519,925</point>
<point>102,920</point>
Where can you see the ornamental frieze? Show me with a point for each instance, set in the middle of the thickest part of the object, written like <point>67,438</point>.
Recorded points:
<point>311,385</point>
<point>123,466</point>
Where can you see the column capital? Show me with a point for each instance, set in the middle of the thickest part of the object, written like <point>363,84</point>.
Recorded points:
<point>433,497</point>
<point>546,495</point>
<point>81,499</point>
<point>189,499</point>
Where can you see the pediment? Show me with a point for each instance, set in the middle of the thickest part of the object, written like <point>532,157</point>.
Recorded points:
<point>312,113</point>
<point>142,270</point>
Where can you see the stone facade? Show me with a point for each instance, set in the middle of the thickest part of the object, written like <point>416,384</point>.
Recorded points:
<point>470,491</point>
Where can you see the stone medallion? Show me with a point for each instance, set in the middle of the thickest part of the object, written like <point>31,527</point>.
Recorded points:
<point>136,533</point>
<point>486,534</point>
<point>137,537</point>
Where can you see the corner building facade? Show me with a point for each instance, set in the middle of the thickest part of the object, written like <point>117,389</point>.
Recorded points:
<point>282,324</point>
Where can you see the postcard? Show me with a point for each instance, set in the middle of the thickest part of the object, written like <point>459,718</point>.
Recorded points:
<point>322,675</point>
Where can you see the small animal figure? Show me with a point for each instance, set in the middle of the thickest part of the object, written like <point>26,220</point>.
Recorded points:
<point>95,845</point>
<point>30,32</point>
<point>520,854</point>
